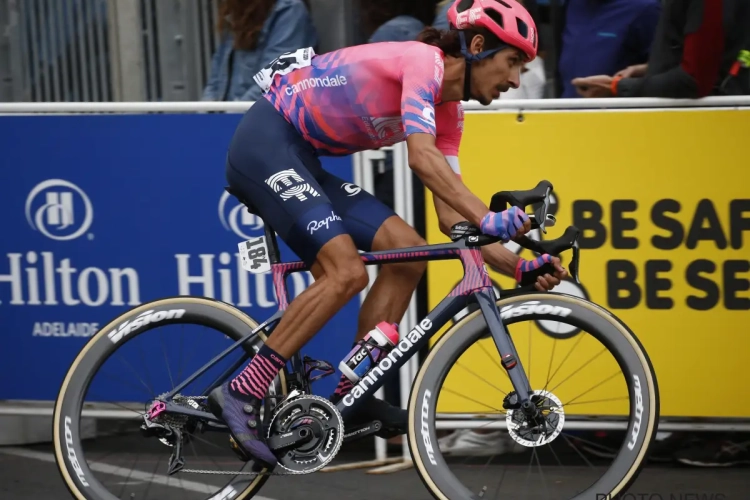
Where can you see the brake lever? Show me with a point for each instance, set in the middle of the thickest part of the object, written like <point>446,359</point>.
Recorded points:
<point>576,261</point>
<point>568,241</point>
<point>549,222</point>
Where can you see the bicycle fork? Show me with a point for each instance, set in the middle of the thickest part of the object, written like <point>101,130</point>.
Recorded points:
<point>509,358</point>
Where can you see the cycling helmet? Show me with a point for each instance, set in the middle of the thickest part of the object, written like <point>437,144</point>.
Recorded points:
<point>506,19</point>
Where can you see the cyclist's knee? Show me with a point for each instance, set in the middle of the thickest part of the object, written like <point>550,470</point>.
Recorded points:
<point>411,271</point>
<point>349,277</point>
<point>352,279</point>
<point>396,233</point>
<point>342,266</point>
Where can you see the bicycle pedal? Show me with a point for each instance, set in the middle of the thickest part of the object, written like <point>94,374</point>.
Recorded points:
<point>357,432</point>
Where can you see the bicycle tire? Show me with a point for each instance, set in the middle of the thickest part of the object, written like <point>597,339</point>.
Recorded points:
<point>600,323</point>
<point>198,310</point>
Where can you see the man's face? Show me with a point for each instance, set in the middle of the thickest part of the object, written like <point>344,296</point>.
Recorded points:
<point>494,75</point>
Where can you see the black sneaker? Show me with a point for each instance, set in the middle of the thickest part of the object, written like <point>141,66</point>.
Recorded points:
<point>664,450</point>
<point>393,419</point>
<point>715,453</point>
<point>606,445</point>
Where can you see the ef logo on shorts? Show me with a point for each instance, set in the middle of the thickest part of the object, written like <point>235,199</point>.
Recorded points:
<point>290,185</point>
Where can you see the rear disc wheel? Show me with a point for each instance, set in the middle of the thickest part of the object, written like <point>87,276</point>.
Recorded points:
<point>106,375</point>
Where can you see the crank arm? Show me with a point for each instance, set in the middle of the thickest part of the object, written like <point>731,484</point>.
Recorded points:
<point>291,439</point>
<point>362,431</point>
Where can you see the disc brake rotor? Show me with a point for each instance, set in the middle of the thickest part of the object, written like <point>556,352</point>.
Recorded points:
<point>531,434</point>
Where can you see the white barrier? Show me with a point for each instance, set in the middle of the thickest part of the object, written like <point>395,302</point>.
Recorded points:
<point>497,105</point>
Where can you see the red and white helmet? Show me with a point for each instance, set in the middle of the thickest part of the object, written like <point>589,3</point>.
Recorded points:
<point>506,19</point>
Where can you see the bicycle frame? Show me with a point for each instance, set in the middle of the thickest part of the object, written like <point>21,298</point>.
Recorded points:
<point>475,285</point>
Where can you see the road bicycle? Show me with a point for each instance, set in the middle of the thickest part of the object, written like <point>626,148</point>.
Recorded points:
<point>306,431</point>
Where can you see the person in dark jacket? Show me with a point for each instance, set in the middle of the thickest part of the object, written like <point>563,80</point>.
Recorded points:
<point>698,51</point>
<point>604,36</point>
<point>253,33</point>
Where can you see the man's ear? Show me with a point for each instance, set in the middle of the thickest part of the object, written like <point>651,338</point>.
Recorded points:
<point>477,44</point>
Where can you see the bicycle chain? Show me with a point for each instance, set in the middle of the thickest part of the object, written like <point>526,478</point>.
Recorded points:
<point>235,473</point>
<point>238,473</point>
<point>222,472</point>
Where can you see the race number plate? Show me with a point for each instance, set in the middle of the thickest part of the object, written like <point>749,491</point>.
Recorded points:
<point>254,255</point>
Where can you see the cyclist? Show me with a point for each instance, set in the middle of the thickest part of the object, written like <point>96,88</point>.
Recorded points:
<point>355,99</point>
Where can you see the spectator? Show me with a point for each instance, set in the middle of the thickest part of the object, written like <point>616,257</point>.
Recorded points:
<point>253,33</point>
<point>600,37</point>
<point>395,20</point>
<point>401,28</point>
<point>698,49</point>
<point>441,18</point>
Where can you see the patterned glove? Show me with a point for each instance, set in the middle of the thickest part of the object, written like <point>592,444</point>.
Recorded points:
<point>527,271</point>
<point>504,224</point>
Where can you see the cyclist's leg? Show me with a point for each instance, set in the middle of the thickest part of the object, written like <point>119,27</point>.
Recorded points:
<point>390,294</point>
<point>270,165</point>
<point>374,227</point>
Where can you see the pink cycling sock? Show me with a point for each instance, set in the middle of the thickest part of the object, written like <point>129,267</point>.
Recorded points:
<point>345,385</point>
<point>257,376</point>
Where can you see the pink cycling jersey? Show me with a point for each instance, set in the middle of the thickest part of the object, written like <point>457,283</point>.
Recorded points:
<point>369,96</point>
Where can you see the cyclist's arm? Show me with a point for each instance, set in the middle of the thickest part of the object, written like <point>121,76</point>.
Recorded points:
<point>497,256</point>
<point>421,79</point>
<point>434,171</point>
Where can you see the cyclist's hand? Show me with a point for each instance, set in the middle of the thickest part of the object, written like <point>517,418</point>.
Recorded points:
<point>545,272</point>
<point>506,224</point>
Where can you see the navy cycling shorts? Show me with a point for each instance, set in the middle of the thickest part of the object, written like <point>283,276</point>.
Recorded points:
<point>276,170</point>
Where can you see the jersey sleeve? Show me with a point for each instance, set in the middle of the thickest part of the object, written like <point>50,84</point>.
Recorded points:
<point>421,80</point>
<point>449,118</point>
<point>450,127</point>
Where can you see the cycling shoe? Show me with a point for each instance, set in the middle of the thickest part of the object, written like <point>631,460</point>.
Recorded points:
<point>243,420</point>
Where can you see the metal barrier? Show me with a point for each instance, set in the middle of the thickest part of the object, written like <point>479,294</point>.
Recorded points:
<point>106,50</point>
<point>520,105</point>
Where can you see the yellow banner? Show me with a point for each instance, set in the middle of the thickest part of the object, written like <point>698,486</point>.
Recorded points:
<point>663,199</point>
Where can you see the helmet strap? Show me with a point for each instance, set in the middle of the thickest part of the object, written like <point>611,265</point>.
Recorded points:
<point>470,58</point>
<point>467,82</point>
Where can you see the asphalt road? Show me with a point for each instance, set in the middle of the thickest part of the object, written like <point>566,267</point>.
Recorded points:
<point>30,473</point>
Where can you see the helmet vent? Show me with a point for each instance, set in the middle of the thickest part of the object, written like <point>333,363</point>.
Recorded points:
<point>523,28</point>
<point>504,4</point>
<point>495,16</point>
<point>464,5</point>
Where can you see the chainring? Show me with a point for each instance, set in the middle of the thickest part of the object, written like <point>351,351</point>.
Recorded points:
<point>529,435</point>
<point>321,417</point>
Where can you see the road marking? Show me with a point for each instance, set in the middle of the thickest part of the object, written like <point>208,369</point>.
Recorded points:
<point>122,472</point>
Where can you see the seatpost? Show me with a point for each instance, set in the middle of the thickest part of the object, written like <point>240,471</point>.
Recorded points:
<point>273,246</point>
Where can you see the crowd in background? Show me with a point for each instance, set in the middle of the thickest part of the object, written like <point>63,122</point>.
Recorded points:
<point>588,48</point>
